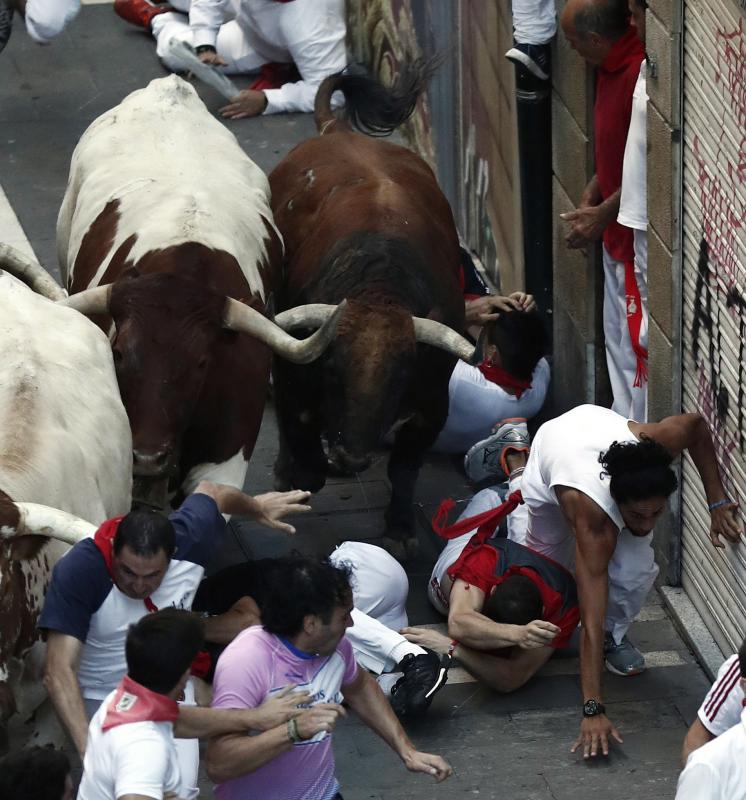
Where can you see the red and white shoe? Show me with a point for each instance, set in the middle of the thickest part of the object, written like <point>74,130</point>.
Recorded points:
<point>140,12</point>
<point>488,459</point>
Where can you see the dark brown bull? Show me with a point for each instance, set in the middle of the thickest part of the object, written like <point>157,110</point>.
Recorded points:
<point>364,220</point>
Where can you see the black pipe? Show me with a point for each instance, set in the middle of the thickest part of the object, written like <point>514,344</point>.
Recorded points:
<point>534,107</point>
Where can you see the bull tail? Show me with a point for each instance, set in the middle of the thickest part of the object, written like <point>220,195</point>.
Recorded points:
<point>370,106</point>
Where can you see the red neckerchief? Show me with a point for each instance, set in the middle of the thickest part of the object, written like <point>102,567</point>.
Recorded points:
<point>615,83</point>
<point>486,523</point>
<point>134,703</point>
<point>501,377</point>
<point>275,75</point>
<point>634,321</point>
<point>104,541</point>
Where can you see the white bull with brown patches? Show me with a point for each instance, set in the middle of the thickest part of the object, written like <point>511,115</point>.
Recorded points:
<point>166,239</point>
<point>64,443</point>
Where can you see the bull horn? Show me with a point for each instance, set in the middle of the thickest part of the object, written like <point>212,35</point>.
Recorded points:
<point>427,331</point>
<point>90,301</point>
<point>38,520</point>
<point>30,272</point>
<point>311,315</point>
<point>436,334</point>
<point>242,318</point>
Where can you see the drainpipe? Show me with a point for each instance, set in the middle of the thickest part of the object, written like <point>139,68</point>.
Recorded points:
<point>535,156</point>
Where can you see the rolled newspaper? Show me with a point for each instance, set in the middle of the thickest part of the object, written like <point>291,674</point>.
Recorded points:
<point>207,73</point>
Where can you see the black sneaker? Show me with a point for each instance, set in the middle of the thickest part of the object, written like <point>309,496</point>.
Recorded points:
<point>534,57</point>
<point>424,675</point>
<point>6,21</point>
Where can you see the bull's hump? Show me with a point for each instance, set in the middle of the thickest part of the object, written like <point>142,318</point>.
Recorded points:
<point>187,180</point>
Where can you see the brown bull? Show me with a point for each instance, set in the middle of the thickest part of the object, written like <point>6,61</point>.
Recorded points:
<point>364,220</point>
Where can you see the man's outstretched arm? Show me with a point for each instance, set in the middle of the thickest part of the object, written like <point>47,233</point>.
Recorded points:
<point>691,432</point>
<point>595,537</point>
<point>366,699</point>
<point>61,681</point>
<point>266,509</point>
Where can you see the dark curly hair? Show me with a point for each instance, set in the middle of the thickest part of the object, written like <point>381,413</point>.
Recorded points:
<point>36,772</point>
<point>301,585</point>
<point>638,470</point>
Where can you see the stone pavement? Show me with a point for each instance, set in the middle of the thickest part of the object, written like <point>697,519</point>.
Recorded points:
<point>513,747</point>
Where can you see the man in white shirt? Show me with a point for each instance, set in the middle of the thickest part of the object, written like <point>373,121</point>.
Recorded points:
<point>131,752</point>
<point>717,770</point>
<point>244,36</point>
<point>720,710</point>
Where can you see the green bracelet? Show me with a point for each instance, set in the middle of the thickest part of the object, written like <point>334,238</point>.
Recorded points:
<point>719,504</point>
<point>293,733</point>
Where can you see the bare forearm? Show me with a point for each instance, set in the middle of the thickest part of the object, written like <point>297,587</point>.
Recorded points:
<point>228,499</point>
<point>64,691</point>
<point>495,671</point>
<point>591,657</point>
<point>232,756</point>
<point>702,452</point>
<point>195,722</point>
<point>475,630</point>
<point>370,704</point>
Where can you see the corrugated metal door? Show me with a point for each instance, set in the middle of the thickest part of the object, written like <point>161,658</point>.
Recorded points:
<point>714,287</point>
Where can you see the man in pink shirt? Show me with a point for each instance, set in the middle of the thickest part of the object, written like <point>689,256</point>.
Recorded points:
<point>301,642</point>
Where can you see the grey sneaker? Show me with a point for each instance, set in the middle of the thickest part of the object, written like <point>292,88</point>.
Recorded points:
<point>6,21</point>
<point>623,658</point>
<point>487,459</point>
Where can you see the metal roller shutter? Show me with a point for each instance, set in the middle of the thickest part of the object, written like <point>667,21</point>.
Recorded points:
<point>714,296</point>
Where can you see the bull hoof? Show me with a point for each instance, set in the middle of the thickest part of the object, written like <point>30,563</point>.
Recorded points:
<point>395,547</point>
<point>282,483</point>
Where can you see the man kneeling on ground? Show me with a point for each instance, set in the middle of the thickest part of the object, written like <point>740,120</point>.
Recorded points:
<point>304,622</point>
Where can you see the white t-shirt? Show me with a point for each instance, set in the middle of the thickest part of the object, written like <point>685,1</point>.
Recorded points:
<point>721,709</point>
<point>717,771</point>
<point>476,404</point>
<point>137,758</point>
<point>633,204</point>
<point>481,502</point>
<point>565,452</point>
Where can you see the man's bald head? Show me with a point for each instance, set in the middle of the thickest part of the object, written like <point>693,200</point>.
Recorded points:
<point>593,26</point>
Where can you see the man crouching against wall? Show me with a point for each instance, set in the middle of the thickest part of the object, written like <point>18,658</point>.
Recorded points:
<point>307,612</point>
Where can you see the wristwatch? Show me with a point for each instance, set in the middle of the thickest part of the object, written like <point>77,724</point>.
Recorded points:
<point>592,708</point>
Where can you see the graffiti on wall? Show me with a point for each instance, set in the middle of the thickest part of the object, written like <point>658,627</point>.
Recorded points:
<point>719,303</point>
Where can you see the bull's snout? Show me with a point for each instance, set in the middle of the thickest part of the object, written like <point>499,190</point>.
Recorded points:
<point>343,461</point>
<point>153,463</point>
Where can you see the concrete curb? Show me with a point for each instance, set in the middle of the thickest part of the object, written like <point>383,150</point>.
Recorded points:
<point>692,628</point>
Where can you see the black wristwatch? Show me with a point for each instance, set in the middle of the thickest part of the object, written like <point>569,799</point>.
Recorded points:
<point>592,708</point>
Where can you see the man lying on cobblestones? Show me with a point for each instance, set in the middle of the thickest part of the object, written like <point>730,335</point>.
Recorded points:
<point>721,709</point>
<point>715,771</point>
<point>595,484</point>
<point>498,595</point>
<point>379,593</point>
<point>302,641</point>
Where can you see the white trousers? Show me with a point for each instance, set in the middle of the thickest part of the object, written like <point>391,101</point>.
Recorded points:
<point>379,593</point>
<point>232,44</point>
<point>46,18</point>
<point>632,569</point>
<point>629,401</point>
<point>187,750</point>
<point>534,21</point>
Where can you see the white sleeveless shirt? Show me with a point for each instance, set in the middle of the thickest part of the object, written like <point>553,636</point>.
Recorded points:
<point>565,452</point>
